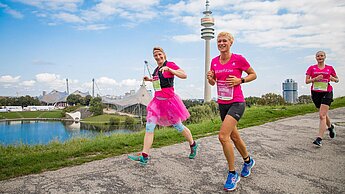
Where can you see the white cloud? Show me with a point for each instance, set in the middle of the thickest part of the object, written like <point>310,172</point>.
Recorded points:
<point>12,12</point>
<point>67,5</point>
<point>52,81</point>
<point>70,18</point>
<point>9,79</point>
<point>28,83</point>
<point>47,77</point>
<point>106,81</point>
<point>93,27</point>
<point>291,24</point>
<point>130,82</point>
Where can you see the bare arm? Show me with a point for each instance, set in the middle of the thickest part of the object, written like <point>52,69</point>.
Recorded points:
<point>309,80</point>
<point>148,79</point>
<point>335,79</point>
<point>251,75</point>
<point>178,72</point>
<point>234,81</point>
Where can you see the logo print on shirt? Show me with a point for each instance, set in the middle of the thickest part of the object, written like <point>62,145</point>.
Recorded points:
<point>233,64</point>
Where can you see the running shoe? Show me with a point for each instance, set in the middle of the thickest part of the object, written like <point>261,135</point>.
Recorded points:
<point>318,142</point>
<point>142,160</point>
<point>193,151</point>
<point>247,168</point>
<point>332,132</point>
<point>231,181</point>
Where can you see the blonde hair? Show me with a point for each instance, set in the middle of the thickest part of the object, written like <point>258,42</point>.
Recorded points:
<point>229,36</point>
<point>320,52</point>
<point>160,49</point>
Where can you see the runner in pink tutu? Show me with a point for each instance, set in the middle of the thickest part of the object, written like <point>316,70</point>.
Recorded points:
<point>166,108</point>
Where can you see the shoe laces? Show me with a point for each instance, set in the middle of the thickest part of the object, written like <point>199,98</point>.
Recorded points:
<point>233,179</point>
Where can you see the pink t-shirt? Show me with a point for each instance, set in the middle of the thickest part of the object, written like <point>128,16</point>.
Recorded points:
<point>235,66</point>
<point>167,92</point>
<point>327,72</point>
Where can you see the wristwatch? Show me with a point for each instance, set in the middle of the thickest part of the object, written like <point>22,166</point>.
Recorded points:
<point>243,80</point>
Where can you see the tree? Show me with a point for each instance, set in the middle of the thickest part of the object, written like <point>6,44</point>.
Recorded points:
<point>74,99</point>
<point>252,100</point>
<point>87,100</point>
<point>305,99</point>
<point>20,101</point>
<point>271,99</point>
<point>190,103</point>
<point>96,106</point>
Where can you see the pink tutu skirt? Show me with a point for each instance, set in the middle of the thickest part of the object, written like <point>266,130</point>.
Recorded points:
<point>166,111</point>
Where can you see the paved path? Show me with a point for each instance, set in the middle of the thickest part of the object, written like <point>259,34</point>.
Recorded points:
<point>286,162</point>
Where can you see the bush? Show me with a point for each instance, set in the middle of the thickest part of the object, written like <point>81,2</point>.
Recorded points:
<point>198,113</point>
<point>114,121</point>
<point>129,121</point>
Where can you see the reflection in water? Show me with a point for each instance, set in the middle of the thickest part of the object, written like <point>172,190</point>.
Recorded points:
<point>72,125</point>
<point>43,132</point>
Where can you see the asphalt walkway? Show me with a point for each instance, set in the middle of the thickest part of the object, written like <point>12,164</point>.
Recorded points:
<point>286,162</point>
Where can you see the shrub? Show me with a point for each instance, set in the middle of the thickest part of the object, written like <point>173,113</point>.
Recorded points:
<point>114,121</point>
<point>129,121</point>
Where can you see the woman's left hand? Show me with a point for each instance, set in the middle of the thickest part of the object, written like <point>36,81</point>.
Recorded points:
<point>233,80</point>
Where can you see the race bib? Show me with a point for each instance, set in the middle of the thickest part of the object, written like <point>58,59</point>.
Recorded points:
<point>156,83</point>
<point>225,92</point>
<point>320,85</point>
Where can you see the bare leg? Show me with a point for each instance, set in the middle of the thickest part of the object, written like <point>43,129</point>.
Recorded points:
<point>226,129</point>
<point>239,143</point>
<point>323,117</point>
<point>328,121</point>
<point>148,140</point>
<point>188,135</point>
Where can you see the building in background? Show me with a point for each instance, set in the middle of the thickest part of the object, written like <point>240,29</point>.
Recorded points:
<point>290,93</point>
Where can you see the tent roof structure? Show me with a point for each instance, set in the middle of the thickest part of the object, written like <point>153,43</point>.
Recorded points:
<point>54,97</point>
<point>82,94</point>
<point>142,96</point>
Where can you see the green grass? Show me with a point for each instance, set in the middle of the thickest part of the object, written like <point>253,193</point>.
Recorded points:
<point>102,118</point>
<point>22,160</point>
<point>31,114</point>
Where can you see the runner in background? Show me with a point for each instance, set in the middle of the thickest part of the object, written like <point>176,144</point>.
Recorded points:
<point>320,75</point>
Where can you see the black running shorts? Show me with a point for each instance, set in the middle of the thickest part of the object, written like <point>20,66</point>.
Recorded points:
<point>235,110</point>
<point>322,98</point>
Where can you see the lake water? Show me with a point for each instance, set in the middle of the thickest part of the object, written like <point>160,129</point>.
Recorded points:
<point>43,132</point>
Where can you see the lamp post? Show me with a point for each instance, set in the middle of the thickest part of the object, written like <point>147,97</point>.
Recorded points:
<point>207,33</point>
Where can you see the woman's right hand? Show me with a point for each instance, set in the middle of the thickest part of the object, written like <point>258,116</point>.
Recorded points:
<point>210,75</point>
<point>147,78</point>
<point>210,78</point>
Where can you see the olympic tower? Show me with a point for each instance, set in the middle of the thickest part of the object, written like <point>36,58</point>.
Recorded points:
<point>207,33</point>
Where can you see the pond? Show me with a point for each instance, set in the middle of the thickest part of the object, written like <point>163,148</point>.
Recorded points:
<point>43,132</point>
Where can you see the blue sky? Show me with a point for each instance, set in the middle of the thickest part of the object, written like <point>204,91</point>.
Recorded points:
<point>43,42</point>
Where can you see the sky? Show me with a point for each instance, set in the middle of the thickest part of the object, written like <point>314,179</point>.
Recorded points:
<point>45,42</point>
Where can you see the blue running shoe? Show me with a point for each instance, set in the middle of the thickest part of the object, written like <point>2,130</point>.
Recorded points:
<point>142,160</point>
<point>247,168</point>
<point>231,181</point>
<point>332,132</point>
<point>193,151</point>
